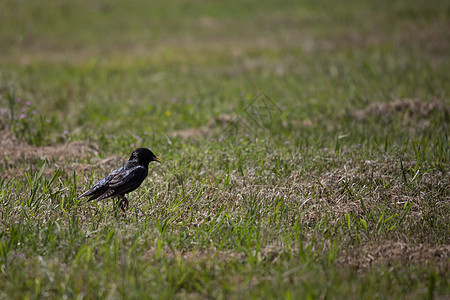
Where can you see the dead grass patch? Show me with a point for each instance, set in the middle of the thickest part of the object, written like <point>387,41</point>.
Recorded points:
<point>206,130</point>
<point>391,253</point>
<point>412,108</point>
<point>17,153</point>
<point>360,257</point>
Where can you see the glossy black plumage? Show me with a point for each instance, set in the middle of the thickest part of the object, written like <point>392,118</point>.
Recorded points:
<point>124,179</point>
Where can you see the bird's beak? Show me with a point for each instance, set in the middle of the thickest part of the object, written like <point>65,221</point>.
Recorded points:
<point>158,159</point>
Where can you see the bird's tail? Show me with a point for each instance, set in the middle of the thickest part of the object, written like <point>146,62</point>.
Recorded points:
<point>83,195</point>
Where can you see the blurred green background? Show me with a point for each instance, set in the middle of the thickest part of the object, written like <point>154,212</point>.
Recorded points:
<point>151,67</point>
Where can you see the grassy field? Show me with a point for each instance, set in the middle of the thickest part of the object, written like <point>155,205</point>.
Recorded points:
<point>305,148</point>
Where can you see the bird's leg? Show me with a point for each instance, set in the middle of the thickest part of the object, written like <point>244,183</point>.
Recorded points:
<point>123,204</point>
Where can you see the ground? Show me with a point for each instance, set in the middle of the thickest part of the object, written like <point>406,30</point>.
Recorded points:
<point>305,148</point>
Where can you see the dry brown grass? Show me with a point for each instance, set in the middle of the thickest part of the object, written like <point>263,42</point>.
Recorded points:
<point>204,131</point>
<point>393,253</point>
<point>413,108</point>
<point>17,155</point>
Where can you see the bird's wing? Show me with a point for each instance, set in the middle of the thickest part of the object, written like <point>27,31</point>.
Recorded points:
<point>128,179</point>
<point>102,186</point>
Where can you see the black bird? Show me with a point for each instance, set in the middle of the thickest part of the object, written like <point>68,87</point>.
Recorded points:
<point>125,179</point>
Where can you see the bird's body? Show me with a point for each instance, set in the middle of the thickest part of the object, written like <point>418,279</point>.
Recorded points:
<point>124,179</point>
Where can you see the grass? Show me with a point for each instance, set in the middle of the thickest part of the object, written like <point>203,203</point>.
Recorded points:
<point>305,146</point>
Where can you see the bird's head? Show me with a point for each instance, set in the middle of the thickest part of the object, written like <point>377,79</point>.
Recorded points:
<point>144,156</point>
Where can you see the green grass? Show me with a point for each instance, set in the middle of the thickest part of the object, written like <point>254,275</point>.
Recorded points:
<point>316,165</point>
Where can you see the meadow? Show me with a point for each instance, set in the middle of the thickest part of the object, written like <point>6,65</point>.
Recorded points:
<point>305,147</point>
